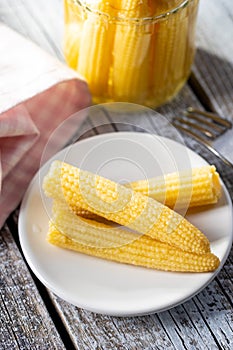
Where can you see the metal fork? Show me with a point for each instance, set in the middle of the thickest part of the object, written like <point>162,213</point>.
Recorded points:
<point>209,129</point>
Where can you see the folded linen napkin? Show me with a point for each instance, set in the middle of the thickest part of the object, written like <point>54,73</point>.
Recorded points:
<point>37,93</point>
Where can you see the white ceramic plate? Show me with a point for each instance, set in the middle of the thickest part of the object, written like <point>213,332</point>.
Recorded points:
<point>108,287</point>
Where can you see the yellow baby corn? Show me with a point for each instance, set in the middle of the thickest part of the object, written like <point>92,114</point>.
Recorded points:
<point>168,50</point>
<point>196,187</point>
<point>95,51</point>
<point>122,205</point>
<point>73,29</point>
<point>162,48</point>
<point>186,189</point>
<point>89,232</point>
<point>180,47</point>
<point>130,50</point>
<point>130,67</point>
<point>143,251</point>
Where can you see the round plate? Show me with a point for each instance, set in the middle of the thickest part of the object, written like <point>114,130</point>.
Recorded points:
<point>109,287</point>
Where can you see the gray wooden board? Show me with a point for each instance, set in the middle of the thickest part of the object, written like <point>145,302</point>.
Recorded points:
<point>25,321</point>
<point>204,322</point>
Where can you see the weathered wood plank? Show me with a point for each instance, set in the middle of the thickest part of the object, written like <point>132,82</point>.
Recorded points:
<point>25,322</point>
<point>93,331</point>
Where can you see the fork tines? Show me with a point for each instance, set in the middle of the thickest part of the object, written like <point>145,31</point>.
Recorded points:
<point>201,123</point>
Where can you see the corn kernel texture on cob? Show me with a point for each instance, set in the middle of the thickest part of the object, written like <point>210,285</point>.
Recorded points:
<point>122,205</point>
<point>130,68</point>
<point>180,47</point>
<point>66,230</point>
<point>185,189</point>
<point>188,188</point>
<point>89,232</point>
<point>95,51</point>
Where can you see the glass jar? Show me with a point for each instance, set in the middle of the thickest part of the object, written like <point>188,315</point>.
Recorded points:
<point>131,50</point>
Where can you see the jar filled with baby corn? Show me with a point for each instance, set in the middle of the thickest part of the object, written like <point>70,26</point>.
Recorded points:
<point>138,51</point>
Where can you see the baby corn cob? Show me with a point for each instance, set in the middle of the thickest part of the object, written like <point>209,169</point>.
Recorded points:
<point>73,28</point>
<point>88,232</point>
<point>162,46</point>
<point>186,189</point>
<point>122,205</point>
<point>196,187</point>
<point>130,68</point>
<point>66,230</point>
<point>165,50</point>
<point>180,50</point>
<point>95,51</point>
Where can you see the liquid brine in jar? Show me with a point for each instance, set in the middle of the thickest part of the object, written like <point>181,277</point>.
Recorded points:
<point>131,50</point>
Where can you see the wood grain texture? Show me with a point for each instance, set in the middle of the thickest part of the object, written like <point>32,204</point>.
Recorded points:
<point>25,322</point>
<point>205,321</point>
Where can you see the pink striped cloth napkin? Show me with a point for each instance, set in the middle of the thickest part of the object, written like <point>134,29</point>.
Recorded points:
<point>37,94</point>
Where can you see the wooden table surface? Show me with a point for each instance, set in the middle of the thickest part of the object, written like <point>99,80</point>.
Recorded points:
<point>32,317</point>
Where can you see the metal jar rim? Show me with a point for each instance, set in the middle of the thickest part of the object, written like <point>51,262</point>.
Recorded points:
<point>139,20</point>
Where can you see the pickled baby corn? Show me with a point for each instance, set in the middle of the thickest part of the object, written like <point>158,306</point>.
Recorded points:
<point>165,54</point>
<point>180,47</point>
<point>72,34</point>
<point>131,50</point>
<point>67,230</point>
<point>88,232</point>
<point>130,67</point>
<point>190,188</point>
<point>119,204</point>
<point>143,252</point>
<point>95,51</point>
<point>130,78</point>
<point>185,189</point>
